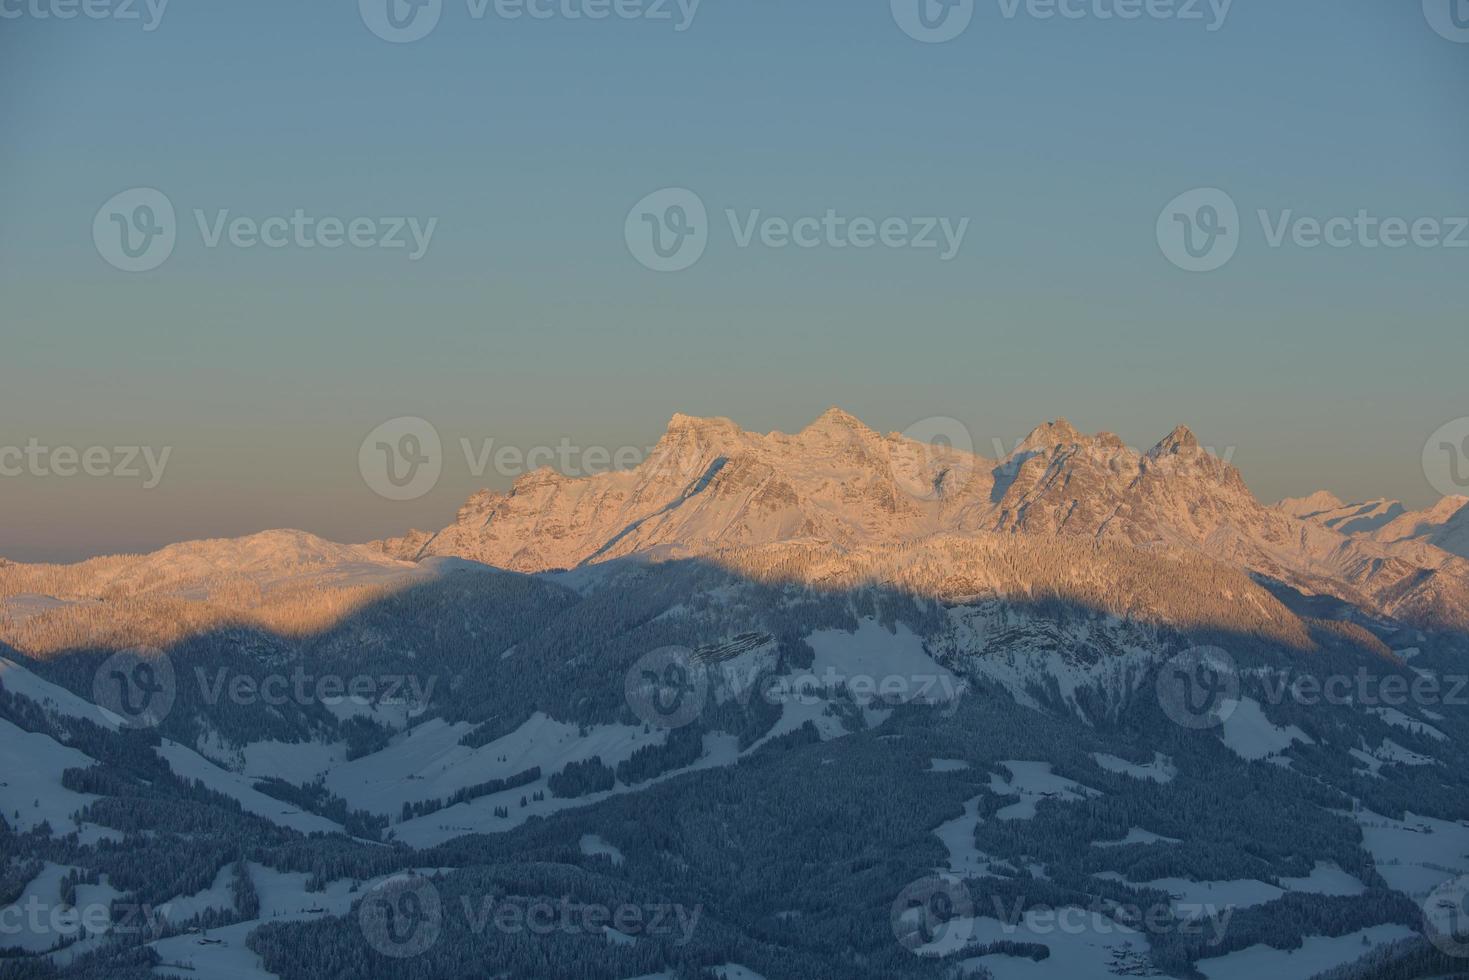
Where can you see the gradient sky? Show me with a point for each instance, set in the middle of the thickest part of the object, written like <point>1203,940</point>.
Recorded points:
<point>529,321</point>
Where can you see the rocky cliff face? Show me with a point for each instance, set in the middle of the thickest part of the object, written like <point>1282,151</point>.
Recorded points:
<point>711,486</point>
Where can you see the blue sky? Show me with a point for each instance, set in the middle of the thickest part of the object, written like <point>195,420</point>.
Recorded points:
<point>528,319</point>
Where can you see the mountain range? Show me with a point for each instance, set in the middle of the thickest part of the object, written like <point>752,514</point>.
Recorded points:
<point>1029,613</point>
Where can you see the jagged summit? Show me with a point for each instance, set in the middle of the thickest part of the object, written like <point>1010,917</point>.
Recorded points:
<point>1058,432</point>
<point>1180,440</point>
<point>711,487</point>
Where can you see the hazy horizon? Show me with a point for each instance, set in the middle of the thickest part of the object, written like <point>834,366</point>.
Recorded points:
<point>437,506</point>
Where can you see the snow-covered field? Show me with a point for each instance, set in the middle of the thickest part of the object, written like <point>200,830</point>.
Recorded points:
<point>1160,770</point>
<point>1034,782</point>
<point>957,836</point>
<point>1083,945</point>
<point>1318,953</point>
<point>1412,853</point>
<point>39,920</point>
<point>1252,735</point>
<point>188,764</point>
<point>30,780</point>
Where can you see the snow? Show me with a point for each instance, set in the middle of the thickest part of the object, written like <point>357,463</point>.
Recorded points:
<point>592,845</point>
<point>188,764</point>
<point>30,780</point>
<point>39,921</point>
<point>1160,770</point>
<point>295,762</point>
<point>1416,854</point>
<point>1193,898</point>
<point>184,956</point>
<point>1326,879</point>
<point>1391,751</point>
<point>1034,782</point>
<point>19,680</point>
<point>733,971</point>
<point>429,762</point>
<point>1082,953</point>
<point>22,606</point>
<point>1395,717</point>
<point>893,661</point>
<point>219,895</point>
<point>283,898</point>
<point>1137,835</point>
<point>1252,736</point>
<point>1318,953</point>
<point>957,836</point>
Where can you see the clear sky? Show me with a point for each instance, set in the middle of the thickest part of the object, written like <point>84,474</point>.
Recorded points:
<point>529,320</point>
